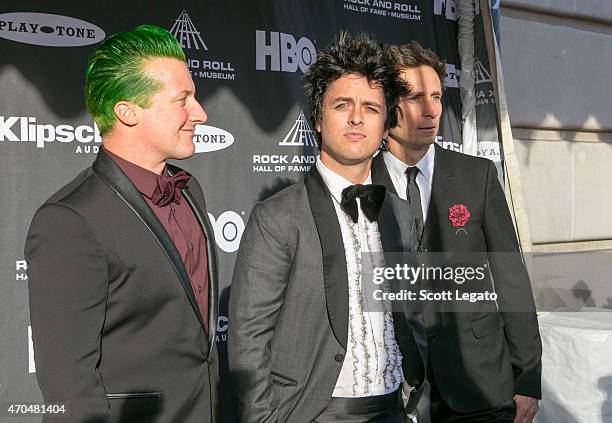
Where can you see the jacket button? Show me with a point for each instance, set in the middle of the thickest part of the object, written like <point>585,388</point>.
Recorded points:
<point>423,249</point>
<point>339,358</point>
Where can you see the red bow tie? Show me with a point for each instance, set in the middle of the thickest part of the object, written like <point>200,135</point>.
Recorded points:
<point>169,188</point>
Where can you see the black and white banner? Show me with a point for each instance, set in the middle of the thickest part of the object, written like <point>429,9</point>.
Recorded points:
<point>247,59</point>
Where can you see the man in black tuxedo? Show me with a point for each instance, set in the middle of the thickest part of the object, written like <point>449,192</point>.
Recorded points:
<point>484,366</point>
<point>121,261</point>
<point>305,341</point>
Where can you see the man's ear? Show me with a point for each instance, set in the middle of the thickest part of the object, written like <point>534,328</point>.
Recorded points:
<point>399,114</point>
<point>385,135</point>
<point>127,112</point>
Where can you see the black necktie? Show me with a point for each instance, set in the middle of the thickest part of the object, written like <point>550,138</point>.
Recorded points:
<point>371,198</point>
<point>413,196</point>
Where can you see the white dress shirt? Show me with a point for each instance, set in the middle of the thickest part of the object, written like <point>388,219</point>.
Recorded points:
<point>397,169</point>
<point>373,362</point>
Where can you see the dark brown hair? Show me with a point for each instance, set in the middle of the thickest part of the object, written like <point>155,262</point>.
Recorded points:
<point>412,55</point>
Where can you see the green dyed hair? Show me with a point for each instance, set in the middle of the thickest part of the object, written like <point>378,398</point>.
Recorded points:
<point>115,71</point>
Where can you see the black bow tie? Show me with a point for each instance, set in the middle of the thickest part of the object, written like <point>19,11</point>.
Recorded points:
<point>371,198</point>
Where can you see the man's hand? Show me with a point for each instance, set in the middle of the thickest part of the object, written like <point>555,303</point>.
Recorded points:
<point>526,409</point>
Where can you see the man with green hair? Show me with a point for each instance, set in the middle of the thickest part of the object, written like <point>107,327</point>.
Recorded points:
<point>122,265</point>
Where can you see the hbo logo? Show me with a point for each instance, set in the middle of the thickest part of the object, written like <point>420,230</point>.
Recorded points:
<point>228,229</point>
<point>284,52</point>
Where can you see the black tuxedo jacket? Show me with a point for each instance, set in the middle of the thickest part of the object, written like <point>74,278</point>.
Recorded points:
<point>482,357</point>
<point>116,329</point>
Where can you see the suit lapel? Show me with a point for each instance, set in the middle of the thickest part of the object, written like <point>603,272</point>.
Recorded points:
<point>332,248</point>
<point>441,187</point>
<point>380,174</point>
<point>394,225</point>
<point>211,257</point>
<point>110,173</point>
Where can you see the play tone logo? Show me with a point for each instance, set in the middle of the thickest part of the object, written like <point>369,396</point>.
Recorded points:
<point>44,29</point>
<point>208,138</point>
<point>451,78</point>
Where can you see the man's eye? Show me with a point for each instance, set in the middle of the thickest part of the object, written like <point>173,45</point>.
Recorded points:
<point>341,106</point>
<point>372,109</point>
<point>436,98</point>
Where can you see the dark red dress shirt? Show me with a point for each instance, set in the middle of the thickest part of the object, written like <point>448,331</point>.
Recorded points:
<point>180,224</point>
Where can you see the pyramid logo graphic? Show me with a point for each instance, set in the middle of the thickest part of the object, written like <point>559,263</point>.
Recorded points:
<point>300,134</point>
<point>186,33</point>
<point>481,74</point>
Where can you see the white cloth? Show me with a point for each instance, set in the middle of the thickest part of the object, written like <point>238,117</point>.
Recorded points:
<point>372,364</point>
<point>397,171</point>
<point>576,366</point>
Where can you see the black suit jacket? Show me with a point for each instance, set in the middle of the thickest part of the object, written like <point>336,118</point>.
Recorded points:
<point>480,358</point>
<point>116,329</point>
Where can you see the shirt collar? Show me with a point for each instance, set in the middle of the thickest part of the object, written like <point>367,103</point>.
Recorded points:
<point>143,179</point>
<point>336,183</point>
<point>425,165</point>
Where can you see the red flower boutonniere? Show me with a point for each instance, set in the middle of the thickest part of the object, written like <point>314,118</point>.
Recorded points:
<point>459,216</point>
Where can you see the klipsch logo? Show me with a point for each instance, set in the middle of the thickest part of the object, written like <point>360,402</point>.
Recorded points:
<point>449,145</point>
<point>43,29</point>
<point>27,129</point>
<point>190,39</point>
<point>283,51</point>
<point>222,326</point>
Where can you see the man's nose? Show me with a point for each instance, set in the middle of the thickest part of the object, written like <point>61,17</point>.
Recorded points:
<point>430,108</point>
<point>198,114</point>
<point>355,116</point>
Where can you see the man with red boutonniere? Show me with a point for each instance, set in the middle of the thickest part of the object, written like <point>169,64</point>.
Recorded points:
<point>484,362</point>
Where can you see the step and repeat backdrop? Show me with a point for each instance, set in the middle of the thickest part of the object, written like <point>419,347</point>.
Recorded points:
<point>247,60</point>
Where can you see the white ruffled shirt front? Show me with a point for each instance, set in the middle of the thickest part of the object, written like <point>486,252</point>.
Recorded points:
<point>373,362</point>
